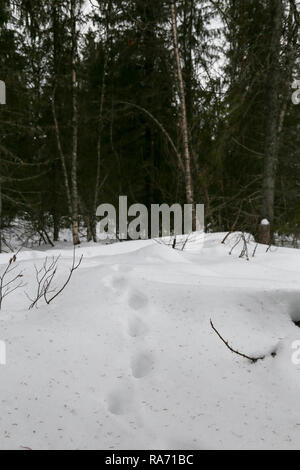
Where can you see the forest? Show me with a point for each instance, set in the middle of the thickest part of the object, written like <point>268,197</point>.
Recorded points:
<point>186,101</point>
<point>181,113</point>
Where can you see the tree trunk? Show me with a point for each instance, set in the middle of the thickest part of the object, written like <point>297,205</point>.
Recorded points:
<point>0,213</point>
<point>75,225</point>
<point>264,233</point>
<point>271,140</point>
<point>184,124</point>
<point>55,26</point>
<point>99,142</point>
<point>56,226</point>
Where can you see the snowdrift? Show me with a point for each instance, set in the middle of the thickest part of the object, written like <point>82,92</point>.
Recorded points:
<point>126,358</point>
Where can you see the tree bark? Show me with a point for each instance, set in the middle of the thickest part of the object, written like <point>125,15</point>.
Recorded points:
<point>66,183</point>
<point>75,224</point>
<point>0,212</point>
<point>62,156</point>
<point>56,226</point>
<point>271,140</point>
<point>99,142</point>
<point>184,124</point>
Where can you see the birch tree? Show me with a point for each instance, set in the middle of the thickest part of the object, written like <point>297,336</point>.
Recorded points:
<point>189,191</point>
<point>74,180</point>
<point>273,112</point>
<point>70,178</point>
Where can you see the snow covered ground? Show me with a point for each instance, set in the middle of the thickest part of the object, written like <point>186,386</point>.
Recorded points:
<point>126,358</point>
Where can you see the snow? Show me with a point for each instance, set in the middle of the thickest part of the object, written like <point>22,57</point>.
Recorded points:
<point>126,358</point>
<point>265,222</point>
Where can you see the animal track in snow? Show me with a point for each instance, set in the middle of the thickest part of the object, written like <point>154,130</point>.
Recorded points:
<point>136,327</point>
<point>120,401</point>
<point>125,268</point>
<point>141,365</point>
<point>118,282</point>
<point>138,300</point>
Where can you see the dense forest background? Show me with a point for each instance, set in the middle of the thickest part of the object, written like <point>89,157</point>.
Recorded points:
<point>162,101</point>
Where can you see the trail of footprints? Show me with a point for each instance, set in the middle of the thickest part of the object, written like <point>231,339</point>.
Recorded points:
<point>142,361</point>
<point>121,400</point>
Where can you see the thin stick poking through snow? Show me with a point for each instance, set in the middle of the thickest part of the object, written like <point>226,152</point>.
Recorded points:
<point>252,359</point>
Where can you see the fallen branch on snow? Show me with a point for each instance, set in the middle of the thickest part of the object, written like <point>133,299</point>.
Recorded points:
<point>252,359</point>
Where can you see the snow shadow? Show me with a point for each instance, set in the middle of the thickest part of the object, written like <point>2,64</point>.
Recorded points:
<point>294,310</point>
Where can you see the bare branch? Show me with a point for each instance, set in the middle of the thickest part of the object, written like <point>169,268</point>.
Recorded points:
<point>252,359</point>
<point>45,276</point>
<point>73,268</point>
<point>7,283</point>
